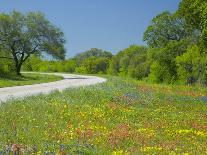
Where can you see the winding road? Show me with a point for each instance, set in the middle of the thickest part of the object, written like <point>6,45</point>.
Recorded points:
<point>69,81</point>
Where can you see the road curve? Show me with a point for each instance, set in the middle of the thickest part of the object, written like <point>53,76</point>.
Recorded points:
<point>69,81</point>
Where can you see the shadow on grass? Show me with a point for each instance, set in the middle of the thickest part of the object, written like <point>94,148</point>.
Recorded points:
<point>15,77</point>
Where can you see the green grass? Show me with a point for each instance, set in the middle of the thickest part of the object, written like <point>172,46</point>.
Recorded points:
<point>26,79</point>
<point>121,116</point>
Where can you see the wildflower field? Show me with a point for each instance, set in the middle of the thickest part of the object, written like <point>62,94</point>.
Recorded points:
<point>121,116</point>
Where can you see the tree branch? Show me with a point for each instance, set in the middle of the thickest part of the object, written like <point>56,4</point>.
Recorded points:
<point>32,52</point>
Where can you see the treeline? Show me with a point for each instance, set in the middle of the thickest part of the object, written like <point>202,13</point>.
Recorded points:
<point>175,51</point>
<point>93,61</point>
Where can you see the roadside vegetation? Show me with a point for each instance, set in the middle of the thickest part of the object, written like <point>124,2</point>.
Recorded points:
<point>26,79</point>
<point>154,102</point>
<point>176,51</point>
<point>121,116</point>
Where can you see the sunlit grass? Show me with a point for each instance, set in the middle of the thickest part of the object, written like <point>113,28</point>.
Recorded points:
<point>26,79</point>
<point>121,116</point>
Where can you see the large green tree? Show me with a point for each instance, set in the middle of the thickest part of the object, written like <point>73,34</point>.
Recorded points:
<point>164,28</point>
<point>195,14</point>
<point>24,35</point>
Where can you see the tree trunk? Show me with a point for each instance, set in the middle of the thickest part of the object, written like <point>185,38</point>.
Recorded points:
<point>18,69</point>
<point>18,64</point>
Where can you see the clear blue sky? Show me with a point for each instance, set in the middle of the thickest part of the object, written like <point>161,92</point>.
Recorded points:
<point>107,24</point>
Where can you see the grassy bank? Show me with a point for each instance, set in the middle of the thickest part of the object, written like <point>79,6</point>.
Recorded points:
<point>121,116</point>
<point>26,79</point>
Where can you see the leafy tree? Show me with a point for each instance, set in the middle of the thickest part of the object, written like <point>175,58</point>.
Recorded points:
<point>192,66</point>
<point>24,35</point>
<point>139,66</point>
<point>80,69</point>
<point>69,65</point>
<point>95,65</point>
<point>164,68</point>
<point>130,62</point>
<point>194,12</point>
<point>93,52</point>
<point>164,28</point>
<point>114,66</point>
<point>160,73</point>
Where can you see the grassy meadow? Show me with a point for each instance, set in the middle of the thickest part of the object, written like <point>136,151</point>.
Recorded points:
<point>26,79</point>
<point>121,116</point>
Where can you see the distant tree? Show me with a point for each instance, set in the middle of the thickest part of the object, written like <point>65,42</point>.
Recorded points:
<point>130,62</point>
<point>24,35</point>
<point>95,65</point>
<point>93,52</point>
<point>69,65</point>
<point>139,66</point>
<point>114,66</point>
<point>164,28</point>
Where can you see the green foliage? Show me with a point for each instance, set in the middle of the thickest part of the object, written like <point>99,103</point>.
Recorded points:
<point>132,62</point>
<point>80,69</point>
<point>164,28</point>
<point>24,35</point>
<point>164,68</point>
<point>94,61</point>
<point>32,64</point>
<point>192,66</point>
<point>159,73</point>
<point>6,65</point>
<point>176,51</point>
<point>194,12</point>
<point>69,65</point>
<point>93,52</point>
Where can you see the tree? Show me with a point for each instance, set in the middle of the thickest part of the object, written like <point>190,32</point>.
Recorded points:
<point>164,28</point>
<point>192,65</point>
<point>93,52</point>
<point>130,62</point>
<point>94,65</point>
<point>194,12</point>
<point>164,68</point>
<point>69,65</point>
<point>24,35</point>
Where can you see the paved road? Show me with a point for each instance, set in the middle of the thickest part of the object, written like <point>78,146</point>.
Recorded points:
<point>69,81</point>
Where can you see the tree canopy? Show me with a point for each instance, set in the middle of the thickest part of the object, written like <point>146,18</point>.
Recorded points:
<point>24,35</point>
<point>195,12</point>
<point>164,28</point>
